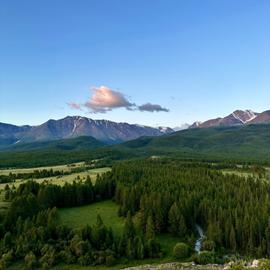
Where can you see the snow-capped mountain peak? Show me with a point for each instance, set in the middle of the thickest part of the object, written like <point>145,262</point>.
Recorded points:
<point>236,118</point>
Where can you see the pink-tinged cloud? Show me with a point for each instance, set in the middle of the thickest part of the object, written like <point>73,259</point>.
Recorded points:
<point>105,99</point>
<point>74,105</point>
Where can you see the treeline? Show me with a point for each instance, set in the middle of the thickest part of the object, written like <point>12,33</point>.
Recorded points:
<point>44,173</point>
<point>30,230</point>
<point>41,241</point>
<point>234,211</point>
<point>30,197</point>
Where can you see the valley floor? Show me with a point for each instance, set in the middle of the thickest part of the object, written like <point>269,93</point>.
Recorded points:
<point>77,217</point>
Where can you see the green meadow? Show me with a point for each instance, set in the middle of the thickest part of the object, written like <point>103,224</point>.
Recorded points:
<point>57,180</point>
<point>77,217</point>
<point>65,168</point>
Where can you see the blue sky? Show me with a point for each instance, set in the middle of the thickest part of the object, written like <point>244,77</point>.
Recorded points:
<point>199,59</point>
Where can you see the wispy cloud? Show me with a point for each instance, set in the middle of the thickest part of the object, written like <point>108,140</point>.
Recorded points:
<point>105,99</point>
<point>74,105</point>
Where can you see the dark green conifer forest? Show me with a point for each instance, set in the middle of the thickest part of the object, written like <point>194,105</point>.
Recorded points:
<point>155,197</point>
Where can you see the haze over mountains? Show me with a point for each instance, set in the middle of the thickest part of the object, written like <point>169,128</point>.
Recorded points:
<point>237,118</point>
<point>76,126</point>
<point>109,132</point>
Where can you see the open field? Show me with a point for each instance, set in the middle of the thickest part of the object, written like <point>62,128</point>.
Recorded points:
<point>77,217</point>
<point>3,205</point>
<point>243,173</point>
<point>237,172</point>
<point>65,168</point>
<point>61,180</point>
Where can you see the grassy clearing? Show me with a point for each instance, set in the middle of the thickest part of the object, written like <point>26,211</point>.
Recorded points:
<point>79,216</point>
<point>237,172</point>
<point>168,242</point>
<point>65,168</point>
<point>246,174</point>
<point>61,180</point>
<point>3,205</point>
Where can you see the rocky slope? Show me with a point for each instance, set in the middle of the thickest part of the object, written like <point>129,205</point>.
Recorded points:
<point>76,126</point>
<point>255,264</point>
<point>236,118</point>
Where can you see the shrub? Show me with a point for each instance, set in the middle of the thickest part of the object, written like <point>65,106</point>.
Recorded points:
<point>180,251</point>
<point>30,260</point>
<point>265,264</point>
<point>84,260</point>
<point>237,266</point>
<point>7,258</point>
<point>110,260</point>
<point>208,245</point>
<point>205,257</point>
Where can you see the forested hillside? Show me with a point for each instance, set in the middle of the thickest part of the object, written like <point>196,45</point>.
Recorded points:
<point>238,144</point>
<point>234,211</point>
<point>242,143</point>
<point>155,196</point>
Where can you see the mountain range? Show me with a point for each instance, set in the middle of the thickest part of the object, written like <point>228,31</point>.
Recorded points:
<point>73,127</point>
<point>237,118</point>
<point>236,143</point>
<point>102,132</point>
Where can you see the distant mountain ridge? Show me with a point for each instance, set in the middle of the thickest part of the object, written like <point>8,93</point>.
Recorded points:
<point>239,143</point>
<point>76,126</point>
<point>236,118</point>
<point>78,143</point>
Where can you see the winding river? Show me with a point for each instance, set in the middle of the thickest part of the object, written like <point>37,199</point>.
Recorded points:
<point>198,243</point>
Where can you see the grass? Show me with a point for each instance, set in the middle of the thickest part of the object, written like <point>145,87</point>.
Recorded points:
<point>246,174</point>
<point>237,172</point>
<point>3,205</point>
<point>20,266</point>
<point>167,242</point>
<point>77,217</point>
<point>65,168</point>
<point>61,180</point>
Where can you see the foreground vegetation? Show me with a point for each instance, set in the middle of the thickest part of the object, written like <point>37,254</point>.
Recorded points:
<point>139,212</point>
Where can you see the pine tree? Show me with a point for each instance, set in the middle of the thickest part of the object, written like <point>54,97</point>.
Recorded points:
<point>232,239</point>
<point>140,249</point>
<point>150,229</point>
<point>130,249</point>
<point>129,229</point>
<point>177,224</point>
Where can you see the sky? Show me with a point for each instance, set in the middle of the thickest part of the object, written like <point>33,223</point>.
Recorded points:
<point>154,62</point>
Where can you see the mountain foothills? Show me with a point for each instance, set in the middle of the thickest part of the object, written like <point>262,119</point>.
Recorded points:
<point>237,118</point>
<point>76,126</point>
<point>243,135</point>
<point>247,143</point>
<point>110,132</point>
